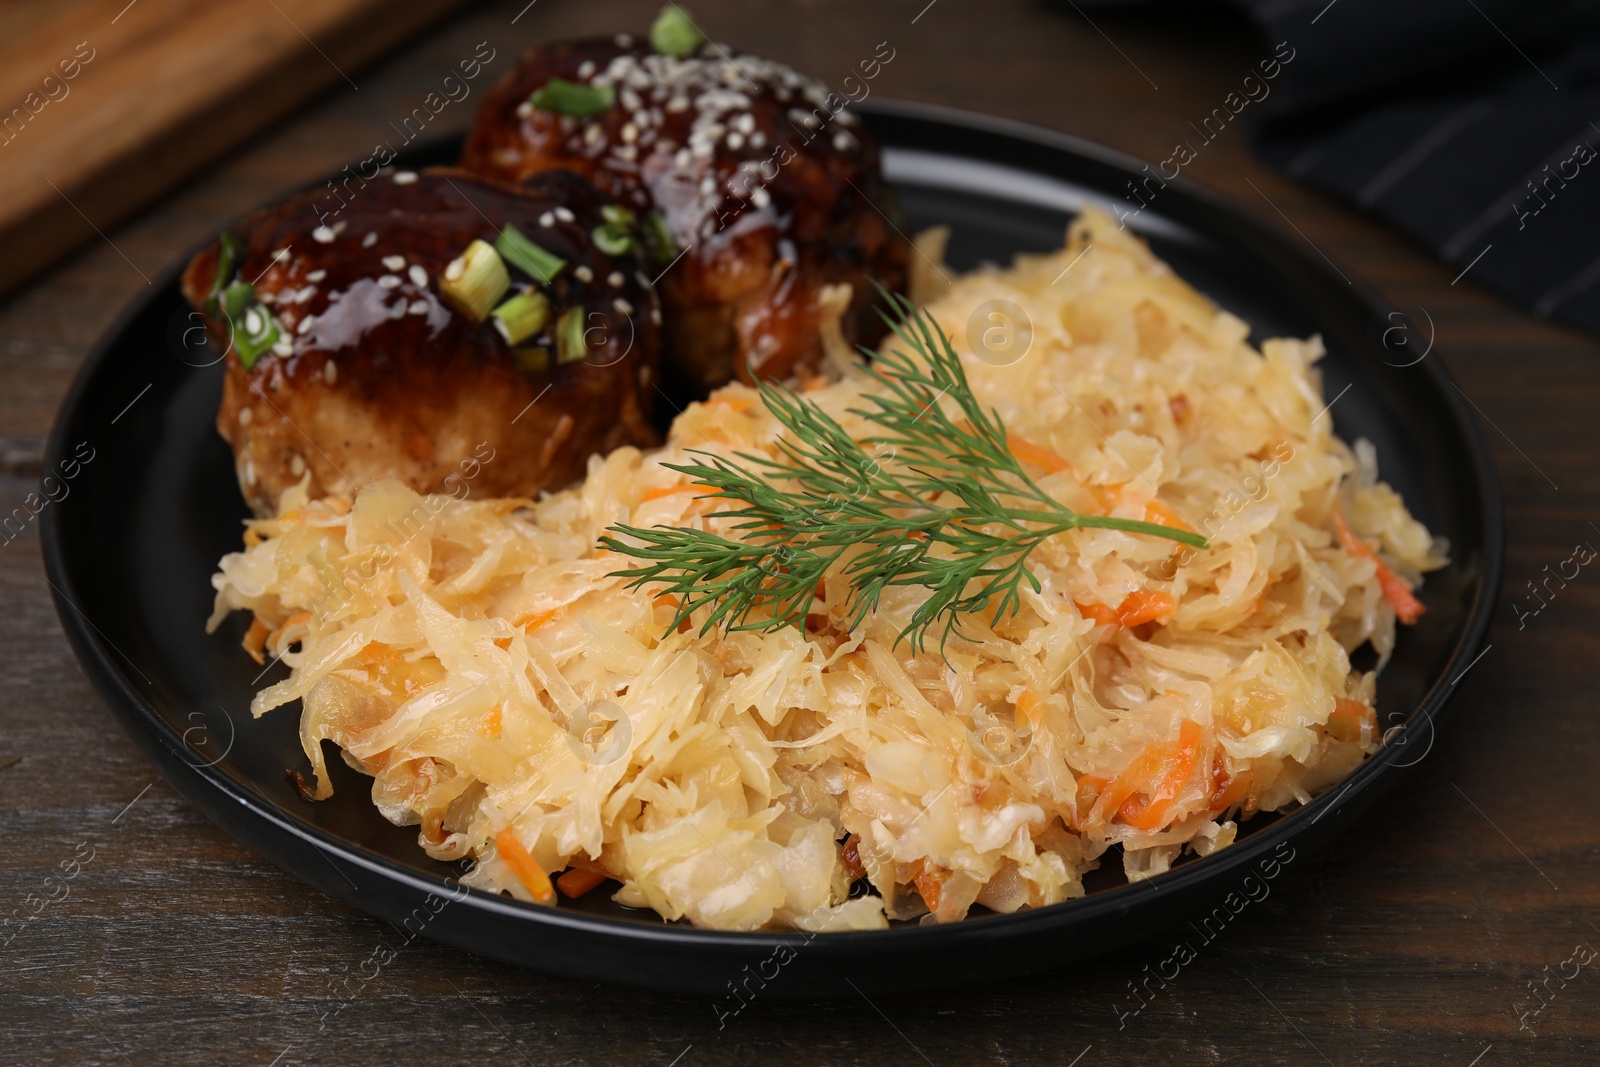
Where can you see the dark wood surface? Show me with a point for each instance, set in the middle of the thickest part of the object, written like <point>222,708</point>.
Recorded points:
<point>1415,939</point>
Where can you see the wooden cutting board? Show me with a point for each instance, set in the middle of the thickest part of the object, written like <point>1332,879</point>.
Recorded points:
<point>105,103</point>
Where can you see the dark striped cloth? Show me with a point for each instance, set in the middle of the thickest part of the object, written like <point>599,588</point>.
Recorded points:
<point>1471,125</point>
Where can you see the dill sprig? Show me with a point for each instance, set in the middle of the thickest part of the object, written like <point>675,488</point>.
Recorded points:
<point>933,499</point>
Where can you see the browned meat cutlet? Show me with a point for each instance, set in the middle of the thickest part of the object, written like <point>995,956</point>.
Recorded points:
<point>768,189</point>
<point>379,369</point>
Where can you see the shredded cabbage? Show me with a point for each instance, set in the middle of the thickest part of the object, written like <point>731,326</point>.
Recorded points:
<point>479,661</point>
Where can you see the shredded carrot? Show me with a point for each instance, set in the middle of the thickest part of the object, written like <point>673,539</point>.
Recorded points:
<point>1407,608</point>
<point>1139,774</point>
<point>579,880</point>
<point>667,490</point>
<point>376,652</point>
<point>1107,496</point>
<point>1030,707</point>
<point>1158,811</point>
<point>929,881</point>
<point>256,639</point>
<point>737,403</point>
<point>1350,715</point>
<point>1146,605</point>
<point>293,620</point>
<point>1035,454</point>
<point>524,866</point>
<point>1159,511</point>
<point>530,623</point>
<point>1226,790</point>
<point>1099,614</point>
<point>491,722</point>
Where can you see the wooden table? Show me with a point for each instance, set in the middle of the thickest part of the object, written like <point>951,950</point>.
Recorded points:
<point>1413,940</point>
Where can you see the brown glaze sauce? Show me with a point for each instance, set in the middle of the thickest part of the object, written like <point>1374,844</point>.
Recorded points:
<point>772,188</point>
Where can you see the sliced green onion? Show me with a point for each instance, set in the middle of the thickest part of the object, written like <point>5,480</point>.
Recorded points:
<point>530,360</point>
<point>522,316</point>
<point>658,238</point>
<point>674,34</point>
<point>612,240</point>
<point>617,215</point>
<point>570,345</point>
<point>253,333</point>
<point>475,281</point>
<point>235,298</point>
<point>527,256</point>
<point>571,98</point>
<point>229,247</point>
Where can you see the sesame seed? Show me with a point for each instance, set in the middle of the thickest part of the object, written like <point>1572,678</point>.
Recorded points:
<point>389,281</point>
<point>745,123</point>
<point>330,372</point>
<point>586,69</point>
<point>285,347</point>
<point>630,133</point>
<point>297,466</point>
<point>322,235</point>
<point>591,134</point>
<point>394,262</point>
<point>547,219</point>
<point>616,279</point>
<point>397,310</point>
<point>843,141</point>
<point>758,140</point>
<point>418,307</point>
<point>305,294</point>
<point>316,275</point>
<point>267,298</point>
<point>245,416</point>
<point>655,316</point>
<point>369,240</point>
<point>677,104</point>
<point>252,321</point>
<point>250,472</point>
<point>305,325</point>
<point>735,141</point>
<point>583,273</point>
<point>418,276</point>
<point>564,215</point>
<point>760,197</point>
<point>404,177</point>
<point>525,110</point>
<point>681,160</point>
<point>455,268</point>
<point>622,306</point>
<point>630,99</point>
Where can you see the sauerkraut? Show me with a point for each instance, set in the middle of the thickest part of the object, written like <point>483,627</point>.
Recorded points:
<point>524,708</point>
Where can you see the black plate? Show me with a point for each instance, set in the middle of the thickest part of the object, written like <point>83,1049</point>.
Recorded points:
<point>131,549</point>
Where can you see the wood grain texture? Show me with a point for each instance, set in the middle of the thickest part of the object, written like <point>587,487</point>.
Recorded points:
<point>107,103</point>
<point>1410,941</point>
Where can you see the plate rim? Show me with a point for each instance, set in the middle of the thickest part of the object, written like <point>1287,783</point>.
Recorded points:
<point>101,662</point>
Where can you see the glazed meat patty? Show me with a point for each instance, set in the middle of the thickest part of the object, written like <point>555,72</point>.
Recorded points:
<point>769,190</point>
<point>395,339</point>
